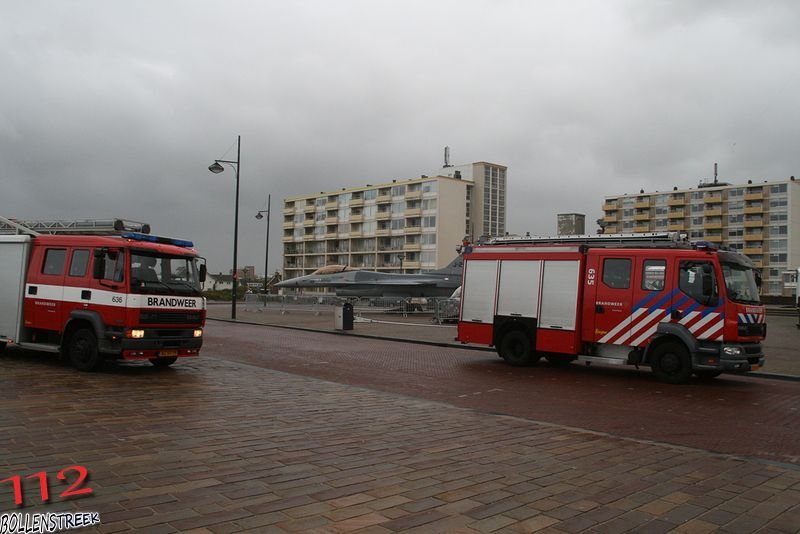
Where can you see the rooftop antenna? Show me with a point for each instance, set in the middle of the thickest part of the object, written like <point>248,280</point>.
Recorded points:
<point>447,157</point>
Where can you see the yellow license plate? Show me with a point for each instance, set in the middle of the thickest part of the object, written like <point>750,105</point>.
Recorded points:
<point>168,353</point>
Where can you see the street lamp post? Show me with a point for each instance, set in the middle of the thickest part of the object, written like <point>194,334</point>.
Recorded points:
<point>260,215</point>
<point>216,168</point>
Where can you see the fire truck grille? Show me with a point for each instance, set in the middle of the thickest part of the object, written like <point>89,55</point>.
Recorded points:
<point>751,329</point>
<point>173,317</point>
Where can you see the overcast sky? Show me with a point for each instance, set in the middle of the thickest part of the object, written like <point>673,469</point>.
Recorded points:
<point>116,109</point>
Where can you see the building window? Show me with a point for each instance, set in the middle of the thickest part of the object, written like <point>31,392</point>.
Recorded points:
<point>429,221</point>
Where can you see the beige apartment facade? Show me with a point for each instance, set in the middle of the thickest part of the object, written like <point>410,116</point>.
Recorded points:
<point>761,220</point>
<point>407,226</point>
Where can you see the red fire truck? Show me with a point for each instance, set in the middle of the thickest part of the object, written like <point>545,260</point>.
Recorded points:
<point>94,289</point>
<point>638,299</point>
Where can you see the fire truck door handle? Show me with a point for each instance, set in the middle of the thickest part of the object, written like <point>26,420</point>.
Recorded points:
<point>598,309</point>
<point>32,290</point>
<point>86,294</point>
<point>676,314</point>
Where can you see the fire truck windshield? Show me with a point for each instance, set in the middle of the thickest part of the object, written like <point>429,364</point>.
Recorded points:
<point>153,274</point>
<point>740,282</point>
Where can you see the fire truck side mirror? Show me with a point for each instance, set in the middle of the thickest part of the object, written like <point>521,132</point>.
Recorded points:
<point>707,281</point>
<point>202,272</point>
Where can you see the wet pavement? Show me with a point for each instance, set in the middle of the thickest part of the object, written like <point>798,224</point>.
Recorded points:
<point>227,442</point>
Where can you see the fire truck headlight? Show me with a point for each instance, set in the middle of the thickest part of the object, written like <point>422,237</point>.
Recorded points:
<point>732,351</point>
<point>135,333</point>
<point>198,333</point>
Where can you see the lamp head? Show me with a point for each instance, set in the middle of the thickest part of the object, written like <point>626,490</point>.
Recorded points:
<point>216,168</point>
<point>259,216</point>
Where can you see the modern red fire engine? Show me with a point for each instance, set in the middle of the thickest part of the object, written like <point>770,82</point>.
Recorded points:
<point>638,299</point>
<point>95,289</point>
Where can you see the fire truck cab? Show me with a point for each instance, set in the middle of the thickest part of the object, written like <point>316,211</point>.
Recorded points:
<point>638,299</point>
<point>91,292</point>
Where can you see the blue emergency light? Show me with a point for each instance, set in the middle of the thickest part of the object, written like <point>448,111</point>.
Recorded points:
<point>136,236</point>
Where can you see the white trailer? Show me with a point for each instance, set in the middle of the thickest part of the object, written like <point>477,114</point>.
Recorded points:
<point>14,253</point>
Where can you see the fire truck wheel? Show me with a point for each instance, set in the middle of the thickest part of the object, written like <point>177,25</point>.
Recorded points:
<point>671,363</point>
<point>163,362</point>
<point>516,349</point>
<point>83,353</point>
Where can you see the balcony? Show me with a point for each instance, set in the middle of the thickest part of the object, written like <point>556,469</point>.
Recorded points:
<point>382,232</point>
<point>713,225</point>
<point>331,235</point>
<point>610,206</point>
<point>713,199</point>
<point>610,219</point>
<point>308,222</point>
<point>288,211</point>
<point>757,264</point>
<point>754,237</point>
<point>676,214</point>
<point>642,216</point>
<point>754,196</point>
<point>753,251</point>
<point>311,208</point>
<point>416,212</point>
<point>676,227</point>
<point>356,218</point>
<point>412,230</point>
<point>384,199</point>
<point>288,225</point>
<point>356,202</point>
<point>411,195</point>
<point>411,265</point>
<point>715,212</point>
<point>412,247</point>
<point>754,209</point>
<point>754,224</point>
<point>288,238</point>
<point>676,202</point>
<point>383,215</point>
<point>713,238</point>
<point>642,204</point>
<point>641,228</point>
<point>332,205</point>
<point>309,237</point>
<point>331,220</point>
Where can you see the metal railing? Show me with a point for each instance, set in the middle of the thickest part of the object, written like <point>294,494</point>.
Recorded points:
<point>441,310</point>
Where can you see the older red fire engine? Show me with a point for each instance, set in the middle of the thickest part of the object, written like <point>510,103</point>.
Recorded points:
<point>93,289</point>
<point>650,299</point>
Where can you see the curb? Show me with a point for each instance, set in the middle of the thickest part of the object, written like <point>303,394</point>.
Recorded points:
<point>768,376</point>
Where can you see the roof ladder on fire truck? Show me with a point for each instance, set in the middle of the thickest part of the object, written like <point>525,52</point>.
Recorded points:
<point>647,239</point>
<point>77,227</point>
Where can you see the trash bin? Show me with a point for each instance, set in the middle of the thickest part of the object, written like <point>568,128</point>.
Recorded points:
<point>343,317</point>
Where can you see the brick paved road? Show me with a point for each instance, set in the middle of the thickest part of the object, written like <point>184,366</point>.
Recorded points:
<point>735,415</point>
<point>217,446</point>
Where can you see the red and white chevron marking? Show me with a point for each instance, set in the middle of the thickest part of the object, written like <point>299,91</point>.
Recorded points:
<point>640,326</point>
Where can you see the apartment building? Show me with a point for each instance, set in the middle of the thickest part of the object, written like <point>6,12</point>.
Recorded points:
<point>408,226</point>
<point>761,220</point>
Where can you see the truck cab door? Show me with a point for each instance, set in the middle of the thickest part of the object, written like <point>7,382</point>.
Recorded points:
<point>44,292</point>
<point>613,299</point>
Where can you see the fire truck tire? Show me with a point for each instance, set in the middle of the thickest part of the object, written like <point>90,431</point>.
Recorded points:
<point>163,362</point>
<point>517,350</point>
<point>671,363</point>
<point>82,351</point>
